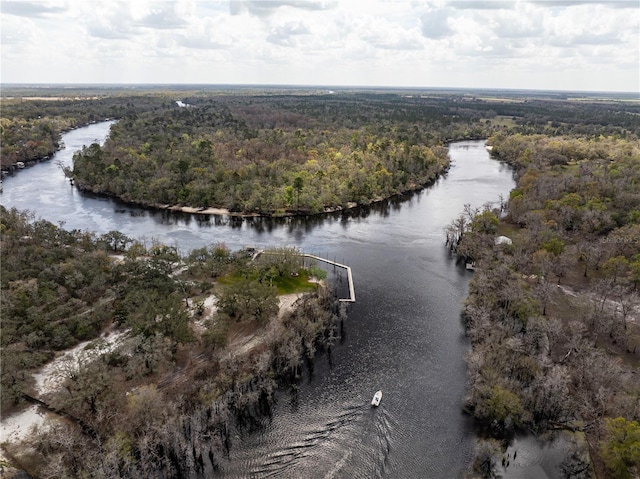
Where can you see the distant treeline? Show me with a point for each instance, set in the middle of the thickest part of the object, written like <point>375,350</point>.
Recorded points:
<point>273,154</point>
<point>30,130</point>
<point>233,134</point>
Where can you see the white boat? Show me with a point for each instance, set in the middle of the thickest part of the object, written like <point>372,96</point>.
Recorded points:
<point>377,397</point>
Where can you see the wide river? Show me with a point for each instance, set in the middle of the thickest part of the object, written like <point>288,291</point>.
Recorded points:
<point>403,335</point>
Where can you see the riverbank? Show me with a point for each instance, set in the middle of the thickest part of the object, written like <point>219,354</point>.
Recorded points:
<point>18,165</point>
<point>402,336</point>
<point>261,358</point>
<point>181,336</point>
<point>217,211</point>
<point>552,314</point>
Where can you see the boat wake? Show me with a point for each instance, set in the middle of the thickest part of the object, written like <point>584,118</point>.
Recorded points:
<point>353,441</point>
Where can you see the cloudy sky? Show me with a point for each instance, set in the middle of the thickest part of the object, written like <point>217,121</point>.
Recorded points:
<point>535,44</point>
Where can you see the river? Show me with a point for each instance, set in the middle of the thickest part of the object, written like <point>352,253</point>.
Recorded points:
<point>403,335</point>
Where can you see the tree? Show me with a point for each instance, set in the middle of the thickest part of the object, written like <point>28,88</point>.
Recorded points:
<point>621,448</point>
<point>298,184</point>
<point>486,460</point>
<point>87,380</point>
<point>634,273</point>
<point>504,406</point>
<point>116,240</point>
<point>285,261</point>
<point>616,268</point>
<point>66,170</point>
<point>247,299</point>
<point>288,194</point>
<point>485,222</point>
<point>591,254</point>
<point>317,272</point>
<point>136,250</point>
<point>555,246</point>
<point>147,354</point>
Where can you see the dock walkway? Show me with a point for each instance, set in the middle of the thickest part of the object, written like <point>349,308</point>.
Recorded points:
<point>352,291</point>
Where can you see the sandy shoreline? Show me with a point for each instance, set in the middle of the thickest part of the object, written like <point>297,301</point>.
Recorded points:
<point>226,212</point>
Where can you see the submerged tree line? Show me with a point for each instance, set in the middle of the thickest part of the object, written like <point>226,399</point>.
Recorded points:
<point>553,314</point>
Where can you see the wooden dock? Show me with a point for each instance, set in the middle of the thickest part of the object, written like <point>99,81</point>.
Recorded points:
<point>352,291</point>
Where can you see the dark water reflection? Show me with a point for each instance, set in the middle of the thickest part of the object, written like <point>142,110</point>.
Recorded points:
<point>403,335</point>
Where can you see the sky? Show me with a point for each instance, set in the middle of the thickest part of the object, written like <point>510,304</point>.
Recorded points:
<point>585,45</point>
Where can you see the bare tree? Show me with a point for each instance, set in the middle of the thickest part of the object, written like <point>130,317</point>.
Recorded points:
<point>66,170</point>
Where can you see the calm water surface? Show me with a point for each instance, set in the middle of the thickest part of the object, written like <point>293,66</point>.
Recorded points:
<point>403,335</point>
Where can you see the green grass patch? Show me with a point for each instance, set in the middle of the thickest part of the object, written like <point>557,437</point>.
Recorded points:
<point>286,284</point>
<point>294,284</point>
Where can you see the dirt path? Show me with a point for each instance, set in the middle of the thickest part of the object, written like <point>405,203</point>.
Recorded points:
<point>49,378</point>
<point>246,343</point>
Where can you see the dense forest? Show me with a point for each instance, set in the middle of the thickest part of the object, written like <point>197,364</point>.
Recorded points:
<point>179,372</point>
<point>259,156</point>
<point>553,315</point>
<point>305,154</point>
<point>162,380</point>
<point>274,152</point>
<point>30,129</point>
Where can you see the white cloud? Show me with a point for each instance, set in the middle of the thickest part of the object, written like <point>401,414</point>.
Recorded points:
<point>288,33</point>
<point>520,22</point>
<point>633,4</point>
<point>17,31</point>
<point>481,4</point>
<point>435,23</point>
<point>265,8</point>
<point>209,33</point>
<point>503,44</point>
<point>163,16</point>
<point>32,9</point>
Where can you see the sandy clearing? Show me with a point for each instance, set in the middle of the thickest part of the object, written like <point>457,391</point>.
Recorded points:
<point>18,427</point>
<point>50,376</point>
<point>245,344</point>
<point>613,306</point>
<point>286,302</point>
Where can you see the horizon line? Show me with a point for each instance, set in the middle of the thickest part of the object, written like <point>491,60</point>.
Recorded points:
<point>303,86</point>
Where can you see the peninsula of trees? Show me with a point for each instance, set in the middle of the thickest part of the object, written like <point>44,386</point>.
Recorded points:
<point>173,355</point>
<point>261,156</point>
<point>279,154</point>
